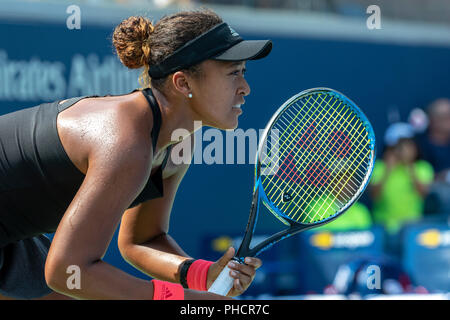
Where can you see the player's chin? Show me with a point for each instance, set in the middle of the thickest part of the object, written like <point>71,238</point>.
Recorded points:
<point>231,125</point>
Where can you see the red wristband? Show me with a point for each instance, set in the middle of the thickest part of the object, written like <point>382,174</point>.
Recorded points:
<point>198,274</point>
<point>163,290</point>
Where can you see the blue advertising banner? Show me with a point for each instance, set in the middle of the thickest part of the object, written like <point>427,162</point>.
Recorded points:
<point>45,61</point>
<point>426,256</point>
<point>304,264</point>
<point>323,252</point>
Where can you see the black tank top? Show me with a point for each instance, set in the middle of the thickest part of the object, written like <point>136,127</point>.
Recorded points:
<point>38,180</point>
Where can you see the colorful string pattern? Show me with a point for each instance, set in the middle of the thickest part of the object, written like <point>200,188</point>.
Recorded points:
<point>321,159</point>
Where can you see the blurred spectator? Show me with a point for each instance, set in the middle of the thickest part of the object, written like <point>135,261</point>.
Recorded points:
<point>435,142</point>
<point>437,203</point>
<point>357,217</point>
<point>400,181</point>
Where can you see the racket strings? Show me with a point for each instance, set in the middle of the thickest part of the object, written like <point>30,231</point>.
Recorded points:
<point>324,171</point>
<point>277,158</point>
<point>314,151</point>
<point>314,195</point>
<point>320,156</point>
<point>295,155</point>
<point>339,192</point>
<point>334,184</point>
<point>319,175</point>
<point>283,133</point>
<point>281,120</point>
<point>333,144</point>
<point>291,158</point>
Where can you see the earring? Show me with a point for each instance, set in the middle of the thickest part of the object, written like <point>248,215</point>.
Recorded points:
<point>190,95</point>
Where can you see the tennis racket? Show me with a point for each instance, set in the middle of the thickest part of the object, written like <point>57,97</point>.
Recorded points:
<point>314,160</point>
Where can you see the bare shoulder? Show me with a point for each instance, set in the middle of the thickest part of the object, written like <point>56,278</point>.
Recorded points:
<point>105,127</point>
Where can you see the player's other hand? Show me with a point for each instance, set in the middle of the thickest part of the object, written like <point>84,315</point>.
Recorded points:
<point>243,274</point>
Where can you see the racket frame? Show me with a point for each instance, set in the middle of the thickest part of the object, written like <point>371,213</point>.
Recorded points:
<point>224,282</point>
<point>259,195</point>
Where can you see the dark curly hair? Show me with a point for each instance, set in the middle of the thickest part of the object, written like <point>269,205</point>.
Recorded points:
<point>140,44</point>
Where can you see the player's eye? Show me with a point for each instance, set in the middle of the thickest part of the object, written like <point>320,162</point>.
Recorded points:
<point>239,71</point>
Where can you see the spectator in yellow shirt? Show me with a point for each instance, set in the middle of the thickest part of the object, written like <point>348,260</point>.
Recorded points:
<point>400,180</point>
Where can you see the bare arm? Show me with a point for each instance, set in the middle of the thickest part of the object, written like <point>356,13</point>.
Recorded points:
<point>86,229</point>
<point>118,170</point>
<point>390,161</point>
<point>377,189</point>
<point>145,243</point>
<point>422,188</point>
<point>143,238</point>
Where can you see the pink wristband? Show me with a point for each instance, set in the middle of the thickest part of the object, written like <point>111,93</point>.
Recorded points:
<point>163,290</point>
<point>198,274</point>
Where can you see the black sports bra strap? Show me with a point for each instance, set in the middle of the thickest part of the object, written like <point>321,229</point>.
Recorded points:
<point>69,102</point>
<point>163,164</point>
<point>156,115</point>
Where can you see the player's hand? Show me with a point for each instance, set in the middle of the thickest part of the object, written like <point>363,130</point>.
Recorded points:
<point>243,274</point>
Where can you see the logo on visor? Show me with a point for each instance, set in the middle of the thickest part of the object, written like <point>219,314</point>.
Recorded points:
<point>233,32</point>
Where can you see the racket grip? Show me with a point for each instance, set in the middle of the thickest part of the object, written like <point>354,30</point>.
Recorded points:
<point>223,283</point>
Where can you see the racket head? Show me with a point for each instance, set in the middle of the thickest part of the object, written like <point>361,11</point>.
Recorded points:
<point>320,150</point>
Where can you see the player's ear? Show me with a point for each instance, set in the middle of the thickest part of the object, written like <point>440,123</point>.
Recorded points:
<point>180,81</point>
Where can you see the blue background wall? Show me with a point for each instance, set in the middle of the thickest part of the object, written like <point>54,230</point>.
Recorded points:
<point>214,199</point>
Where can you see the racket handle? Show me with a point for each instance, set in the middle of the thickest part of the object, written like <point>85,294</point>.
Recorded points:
<point>223,283</point>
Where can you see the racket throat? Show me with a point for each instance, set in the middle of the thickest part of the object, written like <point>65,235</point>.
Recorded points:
<point>238,260</point>
<point>244,248</point>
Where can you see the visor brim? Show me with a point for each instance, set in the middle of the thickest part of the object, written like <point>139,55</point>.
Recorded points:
<point>246,50</point>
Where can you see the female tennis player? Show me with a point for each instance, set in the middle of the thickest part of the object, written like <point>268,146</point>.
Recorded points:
<point>80,165</point>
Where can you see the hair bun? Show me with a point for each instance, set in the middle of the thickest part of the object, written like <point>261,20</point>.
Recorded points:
<point>131,40</point>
